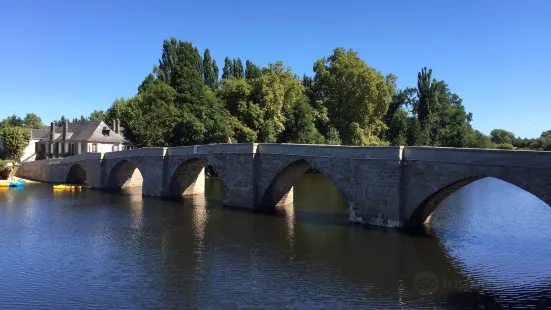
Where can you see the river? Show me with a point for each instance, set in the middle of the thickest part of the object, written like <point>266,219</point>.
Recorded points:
<point>488,246</point>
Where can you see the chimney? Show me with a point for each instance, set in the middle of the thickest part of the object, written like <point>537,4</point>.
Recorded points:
<point>117,126</point>
<point>52,131</point>
<point>65,129</point>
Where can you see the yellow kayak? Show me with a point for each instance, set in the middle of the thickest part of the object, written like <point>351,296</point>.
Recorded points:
<point>69,186</point>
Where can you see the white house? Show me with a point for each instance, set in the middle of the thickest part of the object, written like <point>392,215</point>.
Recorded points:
<point>75,138</point>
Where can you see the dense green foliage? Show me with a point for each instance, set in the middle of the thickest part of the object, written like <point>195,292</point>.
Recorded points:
<point>31,121</point>
<point>185,101</point>
<point>15,140</point>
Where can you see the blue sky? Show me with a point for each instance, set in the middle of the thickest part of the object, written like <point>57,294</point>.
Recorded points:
<point>71,57</point>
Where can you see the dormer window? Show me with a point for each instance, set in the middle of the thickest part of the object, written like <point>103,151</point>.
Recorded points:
<point>105,131</point>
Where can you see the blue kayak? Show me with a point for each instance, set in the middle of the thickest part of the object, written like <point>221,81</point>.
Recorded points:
<point>17,184</point>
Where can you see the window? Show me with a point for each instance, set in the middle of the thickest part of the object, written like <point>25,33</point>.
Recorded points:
<point>94,147</point>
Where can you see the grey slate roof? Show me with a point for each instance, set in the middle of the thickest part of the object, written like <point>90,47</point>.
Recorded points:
<point>39,133</point>
<point>91,131</point>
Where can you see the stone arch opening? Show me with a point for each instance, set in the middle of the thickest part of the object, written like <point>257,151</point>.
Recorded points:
<point>192,177</point>
<point>280,192</point>
<point>76,175</point>
<point>124,175</point>
<point>423,212</point>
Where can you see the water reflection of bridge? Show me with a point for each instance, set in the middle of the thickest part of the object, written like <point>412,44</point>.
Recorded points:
<point>237,248</point>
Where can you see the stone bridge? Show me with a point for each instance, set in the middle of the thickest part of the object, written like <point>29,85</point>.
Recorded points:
<point>384,186</point>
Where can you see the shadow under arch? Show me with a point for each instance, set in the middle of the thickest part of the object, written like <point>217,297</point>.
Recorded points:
<point>423,212</point>
<point>189,178</point>
<point>76,175</point>
<point>124,175</point>
<point>280,190</point>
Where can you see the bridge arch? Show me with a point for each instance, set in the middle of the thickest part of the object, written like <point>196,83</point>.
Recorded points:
<point>423,212</point>
<point>188,177</point>
<point>124,174</point>
<point>76,175</point>
<point>280,189</point>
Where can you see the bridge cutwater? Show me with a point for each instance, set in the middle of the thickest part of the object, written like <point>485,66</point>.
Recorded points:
<point>384,186</point>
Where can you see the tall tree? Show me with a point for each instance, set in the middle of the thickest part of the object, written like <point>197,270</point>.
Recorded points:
<point>33,121</point>
<point>146,84</point>
<point>452,128</point>
<point>300,124</point>
<point>227,72</point>
<point>208,70</point>
<point>239,72</point>
<point>252,71</point>
<point>13,120</point>
<point>187,79</point>
<point>97,115</point>
<point>356,96</point>
<point>216,73</point>
<point>168,61</point>
<point>277,89</point>
<point>414,133</point>
<point>61,121</point>
<point>153,125</point>
<point>426,106</point>
<point>397,133</point>
<point>198,62</point>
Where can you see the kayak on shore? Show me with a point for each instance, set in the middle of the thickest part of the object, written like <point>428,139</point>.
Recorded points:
<point>7,183</point>
<point>71,186</point>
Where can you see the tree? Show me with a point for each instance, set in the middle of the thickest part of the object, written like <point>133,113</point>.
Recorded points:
<point>321,114</point>
<point>277,89</point>
<point>15,140</point>
<point>299,124</point>
<point>400,99</point>
<point>332,137</point>
<point>227,72</point>
<point>158,115</point>
<point>33,121</point>
<point>61,121</point>
<point>208,70</point>
<point>452,128</point>
<point>97,115</point>
<point>357,97</point>
<point>426,106</point>
<point>501,136</point>
<point>479,140</point>
<point>505,146</point>
<point>13,120</point>
<point>186,78</point>
<point>215,70</point>
<point>414,134</point>
<point>168,61</point>
<point>239,72</point>
<point>268,132</point>
<point>397,133</point>
<point>146,84</point>
<point>252,71</point>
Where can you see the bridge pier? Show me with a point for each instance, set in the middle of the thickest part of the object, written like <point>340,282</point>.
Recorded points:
<point>184,171</point>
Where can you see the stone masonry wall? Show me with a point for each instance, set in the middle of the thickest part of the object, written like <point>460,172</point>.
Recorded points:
<point>34,170</point>
<point>384,186</point>
<point>432,174</point>
<point>368,178</point>
<point>233,163</point>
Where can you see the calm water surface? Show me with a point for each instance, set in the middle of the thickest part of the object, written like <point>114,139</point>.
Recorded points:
<point>489,246</point>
